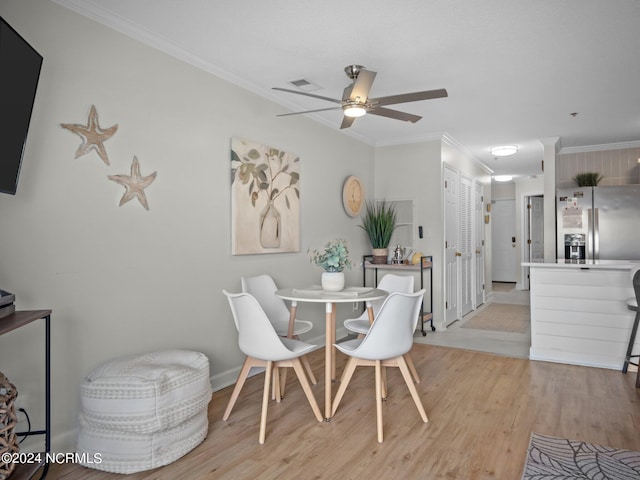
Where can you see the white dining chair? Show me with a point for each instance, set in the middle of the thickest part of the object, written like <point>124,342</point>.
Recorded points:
<point>263,347</point>
<point>385,345</point>
<point>263,289</point>
<point>391,283</point>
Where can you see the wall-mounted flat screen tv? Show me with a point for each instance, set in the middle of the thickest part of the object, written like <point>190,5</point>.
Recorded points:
<point>19,72</point>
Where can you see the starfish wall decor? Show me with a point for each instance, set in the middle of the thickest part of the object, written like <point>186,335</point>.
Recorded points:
<point>93,137</point>
<point>134,184</point>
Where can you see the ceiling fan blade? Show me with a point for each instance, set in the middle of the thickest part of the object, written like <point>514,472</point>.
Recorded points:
<point>347,93</point>
<point>409,97</point>
<point>387,112</point>
<point>307,94</point>
<point>347,122</point>
<point>362,85</point>
<point>309,111</point>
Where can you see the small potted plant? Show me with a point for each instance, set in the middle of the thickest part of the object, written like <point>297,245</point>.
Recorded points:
<point>588,179</point>
<point>333,260</point>
<point>379,221</point>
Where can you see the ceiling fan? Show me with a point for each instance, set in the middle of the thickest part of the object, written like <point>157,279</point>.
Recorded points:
<point>356,102</point>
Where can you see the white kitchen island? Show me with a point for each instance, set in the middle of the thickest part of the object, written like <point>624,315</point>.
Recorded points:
<point>579,313</point>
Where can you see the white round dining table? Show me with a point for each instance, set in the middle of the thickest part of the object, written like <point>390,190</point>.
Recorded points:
<point>330,299</point>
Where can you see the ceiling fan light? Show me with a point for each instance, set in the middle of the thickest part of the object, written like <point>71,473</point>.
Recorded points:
<point>354,111</point>
<point>504,150</point>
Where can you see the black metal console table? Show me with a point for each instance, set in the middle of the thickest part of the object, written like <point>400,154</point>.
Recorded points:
<point>7,324</point>
<point>426,263</point>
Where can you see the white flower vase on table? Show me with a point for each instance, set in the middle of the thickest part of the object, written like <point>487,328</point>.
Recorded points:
<point>332,281</point>
<point>333,260</point>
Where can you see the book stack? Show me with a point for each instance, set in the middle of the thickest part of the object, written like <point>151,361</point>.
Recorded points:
<point>6,303</point>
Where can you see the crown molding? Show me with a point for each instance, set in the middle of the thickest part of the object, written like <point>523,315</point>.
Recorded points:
<point>93,10</point>
<point>407,140</point>
<point>98,13</point>
<point>443,137</point>
<point>453,143</point>
<point>599,148</point>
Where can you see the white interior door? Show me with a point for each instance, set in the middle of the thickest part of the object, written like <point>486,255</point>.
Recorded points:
<point>478,239</point>
<point>503,240</point>
<point>451,244</point>
<point>466,246</point>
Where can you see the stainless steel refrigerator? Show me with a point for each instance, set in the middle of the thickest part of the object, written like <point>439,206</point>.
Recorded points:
<point>598,223</point>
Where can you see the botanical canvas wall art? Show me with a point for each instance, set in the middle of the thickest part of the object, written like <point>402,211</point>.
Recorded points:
<point>265,199</point>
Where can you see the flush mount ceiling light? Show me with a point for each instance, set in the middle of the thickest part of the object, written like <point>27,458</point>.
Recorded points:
<point>354,110</point>
<point>504,150</point>
<point>503,178</point>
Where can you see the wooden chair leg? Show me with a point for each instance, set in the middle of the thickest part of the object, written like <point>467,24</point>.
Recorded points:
<point>412,367</point>
<point>277,392</point>
<point>349,368</point>
<point>412,388</point>
<point>242,377</point>
<point>265,401</point>
<point>306,387</point>
<point>283,377</point>
<point>378,368</point>
<point>307,367</point>
<point>384,383</point>
<point>283,382</point>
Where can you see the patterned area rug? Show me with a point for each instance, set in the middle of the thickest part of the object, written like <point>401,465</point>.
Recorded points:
<point>551,458</point>
<point>501,317</point>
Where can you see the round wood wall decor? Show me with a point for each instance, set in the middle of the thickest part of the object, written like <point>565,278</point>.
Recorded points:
<point>353,196</point>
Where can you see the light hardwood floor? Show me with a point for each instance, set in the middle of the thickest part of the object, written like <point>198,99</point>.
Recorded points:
<point>481,407</point>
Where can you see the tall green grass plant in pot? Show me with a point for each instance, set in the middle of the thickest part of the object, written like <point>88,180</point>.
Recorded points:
<point>379,221</point>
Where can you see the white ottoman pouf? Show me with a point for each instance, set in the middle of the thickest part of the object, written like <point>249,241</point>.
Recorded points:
<point>124,452</point>
<point>146,393</point>
<point>144,411</point>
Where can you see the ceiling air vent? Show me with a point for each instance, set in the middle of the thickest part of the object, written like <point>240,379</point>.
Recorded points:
<point>304,85</point>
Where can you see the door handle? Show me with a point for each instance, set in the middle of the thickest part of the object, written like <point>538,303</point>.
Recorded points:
<point>477,250</point>
<point>458,254</point>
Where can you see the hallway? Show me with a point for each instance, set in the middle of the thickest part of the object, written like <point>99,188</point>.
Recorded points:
<point>508,343</point>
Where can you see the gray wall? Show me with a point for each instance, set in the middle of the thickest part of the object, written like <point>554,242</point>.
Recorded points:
<point>123,280</point>
<point>416,171</point>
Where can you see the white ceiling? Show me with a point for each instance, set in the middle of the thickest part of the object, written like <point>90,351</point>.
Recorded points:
<point>514,69</point>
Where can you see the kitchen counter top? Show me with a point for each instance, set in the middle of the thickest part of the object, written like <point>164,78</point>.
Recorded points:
<point>581,264</point>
